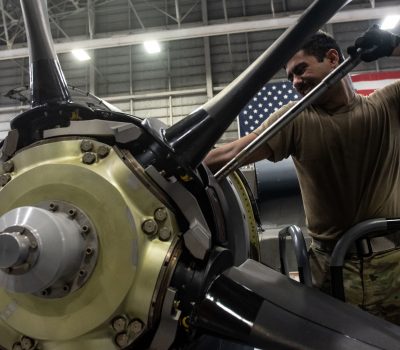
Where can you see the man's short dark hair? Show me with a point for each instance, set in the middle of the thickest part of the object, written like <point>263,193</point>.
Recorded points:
<point>319,44</point>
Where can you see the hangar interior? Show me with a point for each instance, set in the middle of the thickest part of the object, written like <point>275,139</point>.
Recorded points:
<point>204,46</point>
<point>116,243</point>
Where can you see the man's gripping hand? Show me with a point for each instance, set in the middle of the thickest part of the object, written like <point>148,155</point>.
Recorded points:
<point>377,43</point>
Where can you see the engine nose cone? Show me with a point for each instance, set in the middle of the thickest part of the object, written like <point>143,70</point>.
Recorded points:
<point>43,251</point>
<point>14,249</point>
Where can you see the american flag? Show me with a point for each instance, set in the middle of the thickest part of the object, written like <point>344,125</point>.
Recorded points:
<point>275,95</point>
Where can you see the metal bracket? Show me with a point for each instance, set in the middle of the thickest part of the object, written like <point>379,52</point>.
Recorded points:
<point>198,237</point>
<point>166,331</point>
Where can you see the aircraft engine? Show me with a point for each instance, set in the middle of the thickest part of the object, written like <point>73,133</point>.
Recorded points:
<point>113,235</point>
<point>79,226</point>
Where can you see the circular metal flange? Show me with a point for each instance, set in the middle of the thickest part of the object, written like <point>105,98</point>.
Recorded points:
<point>59,245</point>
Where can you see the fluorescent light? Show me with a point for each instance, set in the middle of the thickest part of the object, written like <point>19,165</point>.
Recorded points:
<point>390,22</point>
<point>152,46</point>
<point>80,54</point>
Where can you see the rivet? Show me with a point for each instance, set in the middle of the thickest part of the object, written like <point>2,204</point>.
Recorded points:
<point>164,234</point>
<point>66,288</point>
<point>82,273</point>
<point>119,324</point>
<point>86,146</point>
<point>103,151</point>
<point>8,167</point>
<point>160,214</point>
<point>149,227</point>
<point>89,158</point>
<point>4,179</point>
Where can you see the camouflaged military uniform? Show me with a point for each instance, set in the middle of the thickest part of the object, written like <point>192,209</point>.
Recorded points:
<point>348,166</point>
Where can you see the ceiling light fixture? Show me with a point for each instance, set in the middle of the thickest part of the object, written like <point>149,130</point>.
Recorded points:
<point>152,46</point>
<point>390,22</point>
<point>80,54</point>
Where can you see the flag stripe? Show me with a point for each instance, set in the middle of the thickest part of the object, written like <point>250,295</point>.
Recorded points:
<point>375,76</point>
<point>373,84</point>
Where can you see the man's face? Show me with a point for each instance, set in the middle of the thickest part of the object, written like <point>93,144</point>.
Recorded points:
<point>305,71</point>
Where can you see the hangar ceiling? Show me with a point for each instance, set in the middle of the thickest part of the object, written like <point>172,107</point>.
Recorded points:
<point>205,44</point>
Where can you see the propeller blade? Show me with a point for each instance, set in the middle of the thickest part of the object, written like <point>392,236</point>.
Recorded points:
<point>256,305</point>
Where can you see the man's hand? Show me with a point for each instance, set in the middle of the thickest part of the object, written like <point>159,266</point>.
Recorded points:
<point>377,43</point>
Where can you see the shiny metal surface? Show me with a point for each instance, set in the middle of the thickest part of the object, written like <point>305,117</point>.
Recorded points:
<point>14,249</point>
<point>53,173</point>
<point>59,251</point>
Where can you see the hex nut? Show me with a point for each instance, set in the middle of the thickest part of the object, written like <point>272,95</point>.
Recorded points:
<point>119,324</point>
<point>160,214</point>
<point>8,167</point>
<point>89,158</point>
<point>103,151</point>
<point>164,234</point>
<point>149,227</point>
<point>86,146</point>
<point>4,179</point>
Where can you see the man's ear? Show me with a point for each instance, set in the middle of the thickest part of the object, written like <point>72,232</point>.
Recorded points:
<point>333,57</point>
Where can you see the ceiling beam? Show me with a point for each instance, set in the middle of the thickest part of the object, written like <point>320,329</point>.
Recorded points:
<point>115,40</point>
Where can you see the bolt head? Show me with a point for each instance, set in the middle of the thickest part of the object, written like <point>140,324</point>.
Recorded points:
<point>135,327</point>
<point>122,340</point>
<point>4,179</point>
<point>26,343</point>
<point>45,292</point>
<point>160,214</point>
<point>149,227</point>
<point>103,151</point>
<point>53,206</point>
<point>89,158</point>
<point>85,229</point>
<point>17,346</point>
<point>119,324</point>
<point>86,146</point>
<point>164,234</point>
<point>8,167</point>
<point>89,251</point>
<point>71,212</point>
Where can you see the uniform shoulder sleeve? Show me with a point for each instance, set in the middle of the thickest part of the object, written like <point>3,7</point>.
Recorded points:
<point>390,94</point>
<point>281,144</point>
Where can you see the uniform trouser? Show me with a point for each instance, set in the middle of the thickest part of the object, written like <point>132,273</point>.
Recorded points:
<point>372,283</point>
